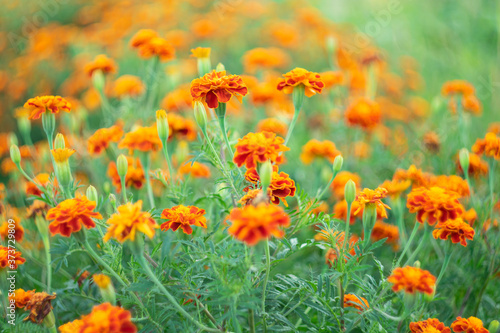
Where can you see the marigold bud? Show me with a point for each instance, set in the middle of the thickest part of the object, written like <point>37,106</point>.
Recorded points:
<point>162,125</point>
<point>106,288</point>
<point>49,123</point>
<point>220,67</point>
<point>416,264</point>
<point>182,151</point>
<point>122,166</point>
<point>350,191</point>
<point>12,139</point>
<point>91,193</point>
<point>331,45</point>
<point>493,328</point>
<point>15,154</point>
<point>98,80</point>
<point>266,174</point>
<point>200,115</point>
<point>112,200</point>
<point>463,157</point>
<point>298,96</point>
<point>337,163</point>
<point>59,142</point>
<point>24,126</point>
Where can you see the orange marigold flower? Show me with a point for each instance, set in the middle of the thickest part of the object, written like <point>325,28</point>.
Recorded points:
<point>259,147</point>
<point>434,204</point>
<point>432,142</point>
<point>469,325</point>
<point>38,208</point>
<point>477,167</point>
<point>374,197</point>
<point>107,318</point>
<point>489,146</point>
<point>135,174</point>
<point>100,140</point>
<point>262,58</point>
<point>451,183</point>
<point>159,47</point>
<point>251,224</point>
<point>395,187</point>
<point>281,185</point>
<point>470,216</point>
<point>383,230</point>
<point>184,217</point>
<point>253,197</point>
<point>417,176</point>
<point>217,87</point>
<point>178,99</point>
<point>39,306</point>
<point>339,237</point>
<point>6,230</point>
<point>430,325</point>
<point>103,63</point>
<point>142,36</point>
<point>412,279</point>
<point>61,155</point>
<point>71,327</point>
<point>457,229</point>
<point>128,85</point>
<point>21,297</point>
<point>340,180</point>
<point>318,149</point>
<point>10,258</point>
<point>311,81</point>
<point>43,180</point>
<point>357,302</point>
<point>201,52</point>
<point>457,87</point>
<point>69,215</point>
<point>101,280</point>
<point>143,139</point>
<point>332,79</point>
<point>180,127</point>
<point>272,125</point>
<point>195,169</point>
<point>41,104</point>
<point>364,113</point>
<point>130,220</point>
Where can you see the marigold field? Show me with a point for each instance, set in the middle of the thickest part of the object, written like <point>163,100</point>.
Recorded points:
<point>249,166</point>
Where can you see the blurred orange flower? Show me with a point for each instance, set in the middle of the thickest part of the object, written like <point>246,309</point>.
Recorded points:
<point>100,140</point>
<point>357,302</point>
<point>69,216</point>
<point>262,58</point>
<point>457,229</point>
<point>183,217</point>
<point>180,127</point>
<point>41,104</point>
<point>272,125</point>
<point>434,204</point>
<point>364,113</point>
<point>340,180</point>
<point>10,258</point>
<point>259,147</point>
<point>412,279</point>
<point>21,297</point>
<point>477,167</point>
<point>128,85</point>
<point>311,81</point>
<point>102,63</point>
<point>429,325</point>
<point>143,139</point>
<point>128,221</point>
<point>134,177</point>
<point>195,169</point>
<point>217,87</point>
<point>395,187</point>
<point>107,318</point>
<point>489,146</point>
<point>318,149</point>
<point>469,325</point>
<point>383,230</point>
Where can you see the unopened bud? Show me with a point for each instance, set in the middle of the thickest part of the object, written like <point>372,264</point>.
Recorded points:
<point>12,139</point>
<point>112,200</point>
<point>200,115</point>
<point>266,174</point>
<point>337,163</point>
<point>24,126</point>
<point>106,288</point>
<point>463,157</point>
<point>98,80</point>
<point>91,193</point>
<point>15,154</point>
<point>350,191</point>
<point>416,264</point>
<point>331,45</point>
<point>122,166</point>
<point>162,125</point>
<point>59,142</point>
<point>493,328</point>
<point>220,67</point>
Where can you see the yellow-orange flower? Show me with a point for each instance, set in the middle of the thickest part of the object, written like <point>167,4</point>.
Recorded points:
<point>458,230</point>
<point>369,197</point>
<point>262,58</point>
<point>338,184</point>
<point>469,325</point>
<point>178,99</point>
<point>201,52</point>
<point>332,79</point>
<point>101,280</point>
<point>318,149</point>
<point>143,139</point>
<point>430,325</point>
<point>61,155</point>
<point>217,87</point>
<point>142,37</point>
<point>71,327</point>
<point>281,185</point>
<point>253,197</point>
<point>357,302</point>
<point>364,113</point>
<point>69,216</point>
<point>128,85</point>
<point>489,146</point>
<point>6,230</point>
<point>251,224</point>
<point>107,318</point>
<point>477,167</point>
<point>10,258</point>
<point>180,127</point>
<point>417,176</point>
<point>195,169</point>
<point>183,217</point>
<point>383,230</point>
<point>41,104</point>
<point>412,279</point>
<point>130,220</point>
<point>39,306</point>
<point>451,183</point>
<point>434,204</point>
<point>311,81</point>
<point>159,47</point>
<point>100,140</point>
<point>457,87</point>
<point>272,125</point>
<point>259,147</point>
<point>134,177</point>
<point>102,63</point>
<point>395,187</point>
<point>21,297</point>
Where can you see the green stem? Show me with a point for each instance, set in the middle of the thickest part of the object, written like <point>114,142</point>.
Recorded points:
<point>341,300</point>
<point>400,220</point>
<point>147,162</point>
<point>491,181</point>
<point>169,162</point>
<point>48,261</point>
<point>423,241</point>
<point>251,321</point>
<point>327,186</point>
<point>222,125</point>
<point>124,190</point>
<point>292,125</point>
<point>347,225</point>
<point>413,233</point>
<point>446,261</point>
<point>266,279</point>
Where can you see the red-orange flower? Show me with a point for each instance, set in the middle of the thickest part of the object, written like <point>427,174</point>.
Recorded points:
<point>10,258</point>
<point>457,229</point>
<point>272,125</point>
<point>281,185</point>
<point>251,224</point>
<point>318,149</point>
<point>364,113</point>
<point>412,279</point>
<point>195,169</point>
<point>451,183</point>
<point>134,177</point>
<point>180,127</point>
<point>383,230</point>
<point>142,36</point>
<point>259,147</point>
<point>217,87</point>
<point>17,231</point>
<point>21,297</point>
<point>489,146</point>
<point>357,302</point>
<point>128,85</point>
<point>430,325</point>
<point>101,139</point>
<point>102,63</point>
<point>143,139</point>
<point>469,325</point>
<point>417,176</point>
<point>39,306</point>
<point>369,197</point>
<point>339,237</point>
<point>159,47</point>
<point>311,81</point>
<point>69,216</point>
<point>107,318</point>
<point>71,327</point>
<point>457,87</point>
<point>262,58</point>
<point>434,204</point>
<point>395,187</point>
<point>338,184</point>
<point>41,104</point>
<point>43,180</point>
<point>477,167</point>
<point>183,217</point>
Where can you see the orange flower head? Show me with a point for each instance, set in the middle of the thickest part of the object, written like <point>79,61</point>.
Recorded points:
<point>62,155</point>
<point>217,87</point>
<point>477,166</point>
<point>39,306</point>
<point>272,125</point>
<point>332,79</point>
<point>396,187</point>
<point>69,216</point>
<point>434,204</point>
<point>10,258</point>
<point>21,297</point>
<point>201,52</point>
<point>338,184</point>
<point>135,174</point>
<point>412,279</point>
<point>181,128</point>
<point>318,149</point>
<point>457,87</point>
<point>432,142</point>
<point>374,198</point>
<point>253,197</point>
<point>469,325</point>
<point>107,318</point>
<point>41,104</point>
<point>178,99</point>
<point>458,230</point>
<point>339,238</point>
<point>251,224</point>
<point>101,280</point>
<point>130,220</point>
<point>383,230</point>
<point>429,326</point>
<point>102,63</point>
<point>364,113</point>
<point>281,185</point>
<point>6,230</point>
<point>311,81</point>
<point>195,169</point>
<point>357,302</point>
<point>184,217</point>
<point>259,147</point>
<point>43,180</point>
<point>101,139</point>
<point>142,37</point>
<point>451,183</point>
<point>158,47</point>
<point>128,85</point>
<point>71,327</point>
<point>262,58</point>
<point>143,139</point>
<point>489,146</point>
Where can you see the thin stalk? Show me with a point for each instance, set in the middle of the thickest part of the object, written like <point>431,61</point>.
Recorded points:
<point>147,162</point>
<point>292,125</point>
<point>446,261</point>
<point>266,279</point>
<point>327,186</point>
<point>491,182</point>
<point>400,220</point>
<point>413,233</point>
<point>347,225</point>
<point>48,261</point>
<point>423,241</point>
<point>124,191</point>
<point>251,321</point>
<point>222,125</point>
<point>341,300</point>
<point>169,162</point>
